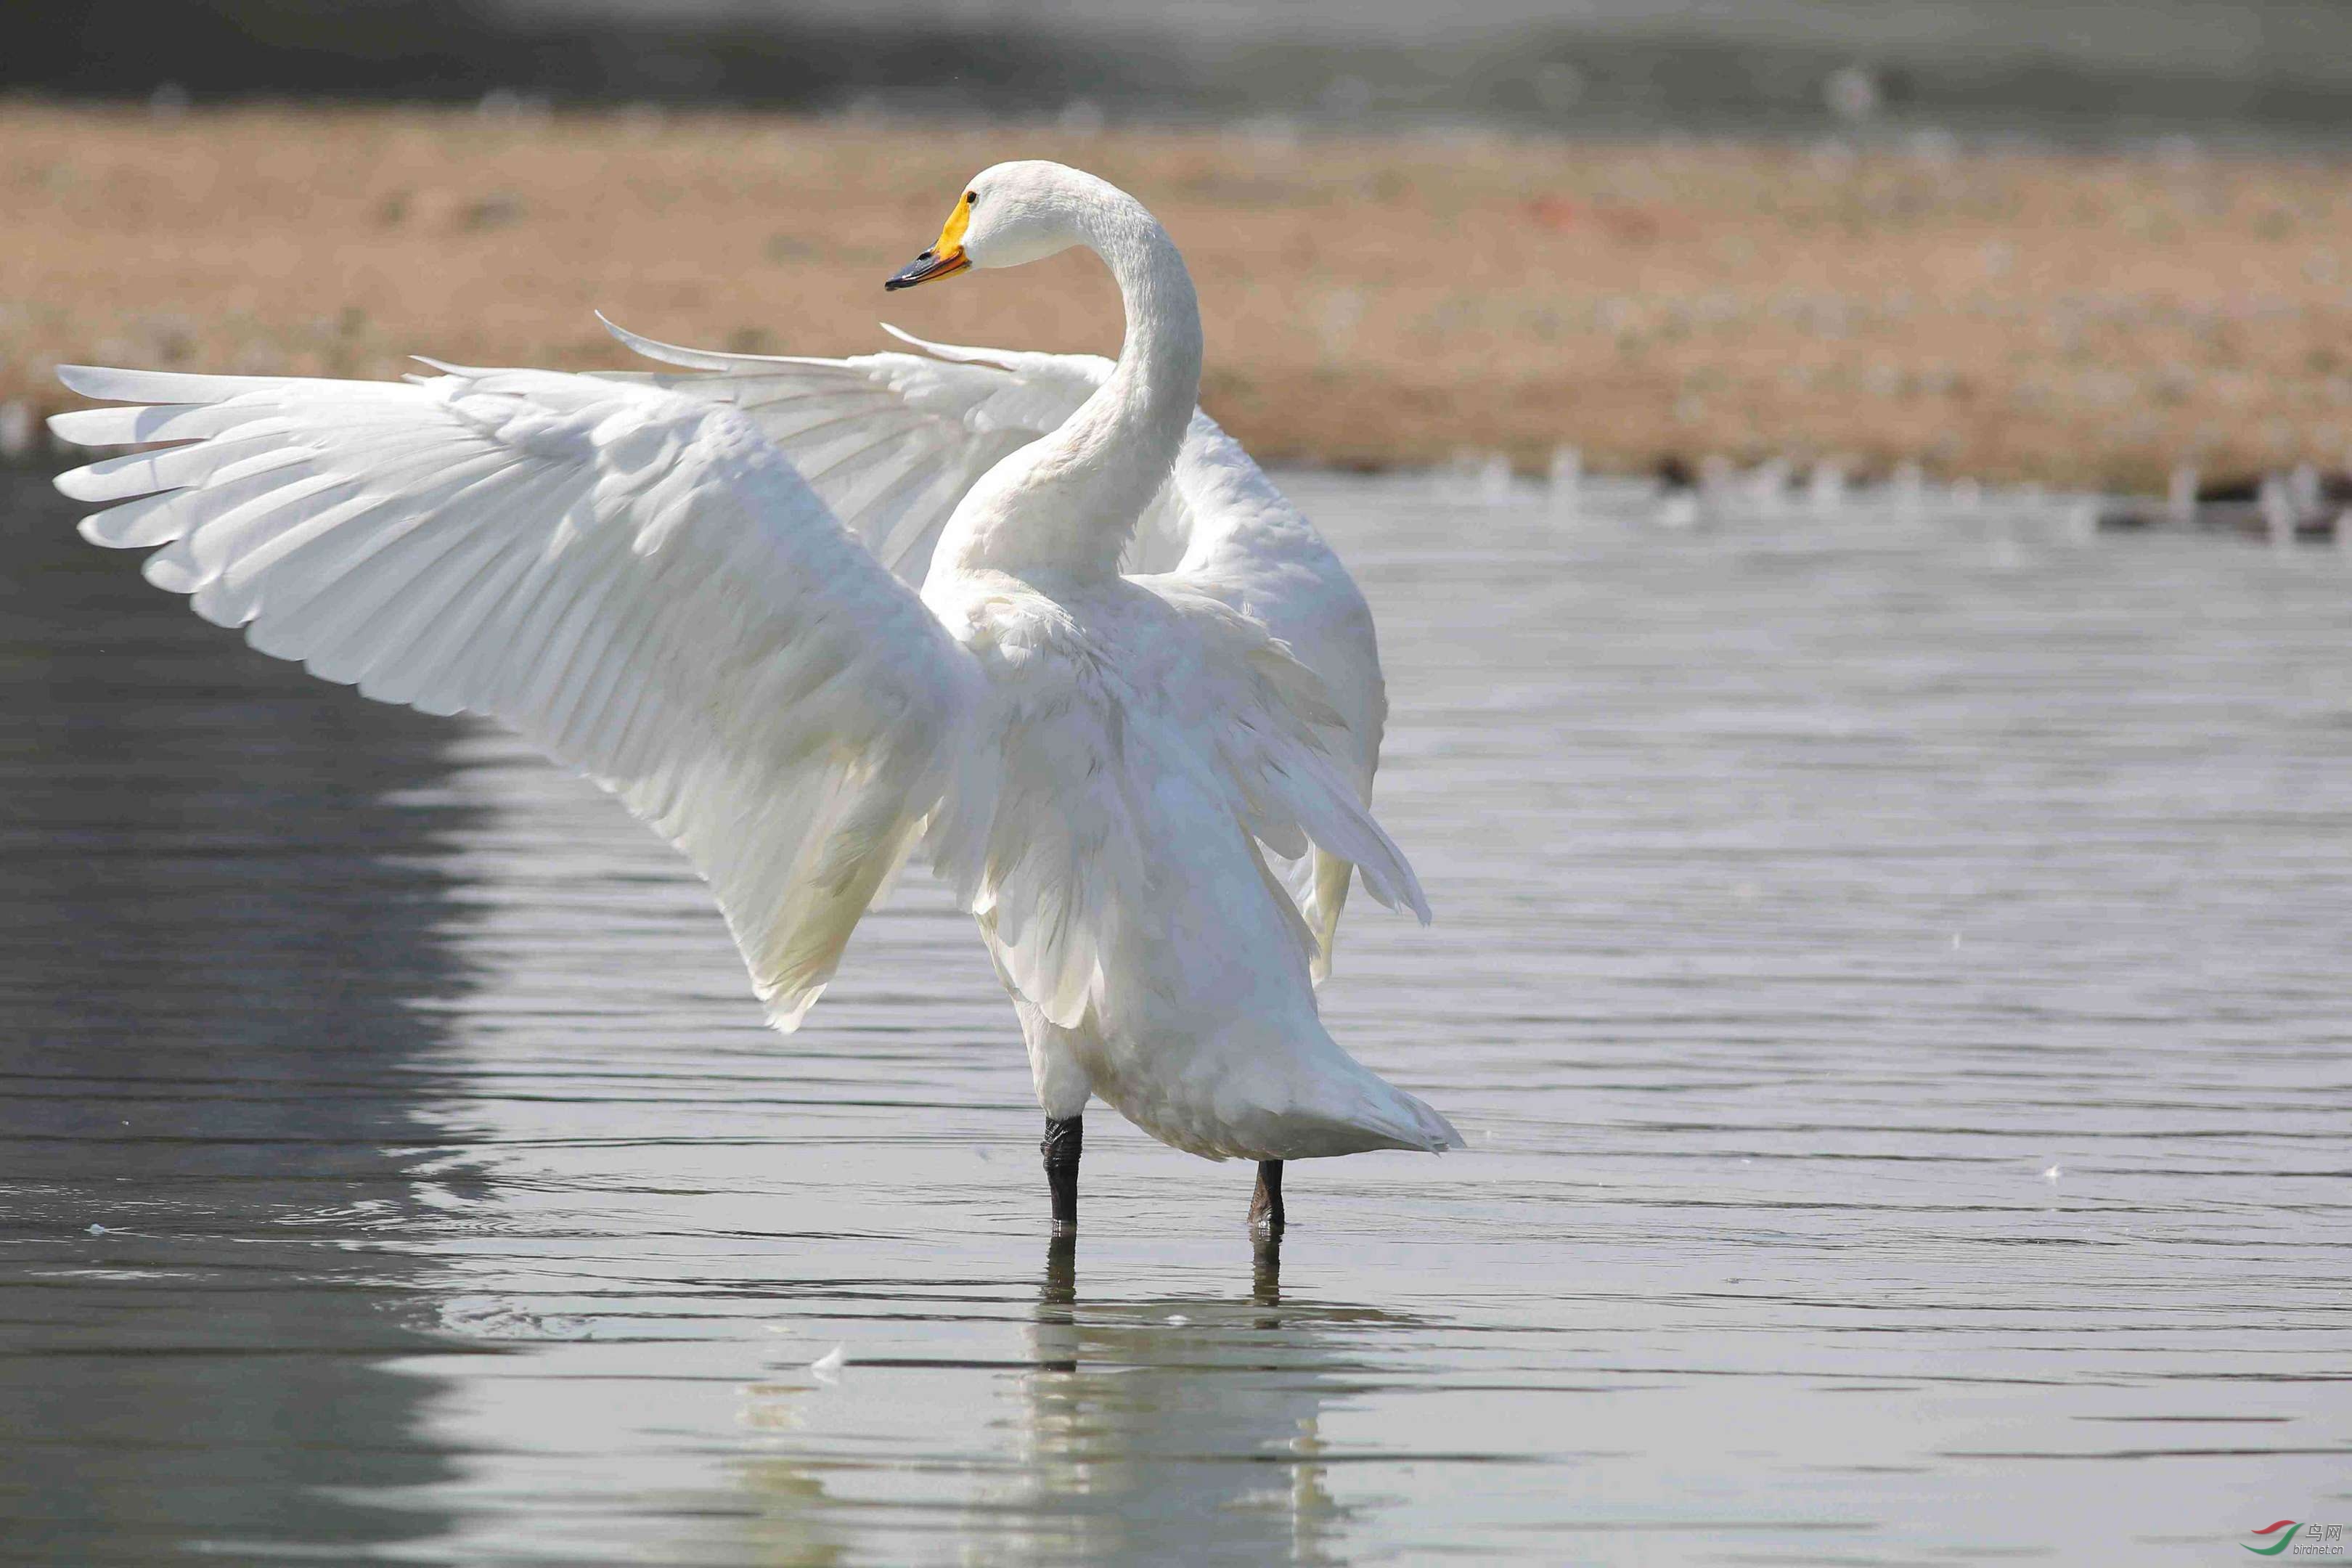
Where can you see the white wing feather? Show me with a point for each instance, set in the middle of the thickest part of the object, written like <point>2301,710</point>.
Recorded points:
<point>893,440</point>
<point>637,582</point>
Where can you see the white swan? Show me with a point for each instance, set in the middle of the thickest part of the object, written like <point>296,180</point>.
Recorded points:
<point>684,585</point>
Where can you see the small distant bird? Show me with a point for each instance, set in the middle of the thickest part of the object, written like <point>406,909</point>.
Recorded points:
<point>809,617</point>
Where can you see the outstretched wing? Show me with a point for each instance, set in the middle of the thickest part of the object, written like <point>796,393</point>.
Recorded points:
<point>637,582</point>
<point>892,441</point>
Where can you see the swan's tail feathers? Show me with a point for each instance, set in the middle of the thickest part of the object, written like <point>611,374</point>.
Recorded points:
<point>1431,1130</point>
<point>1386,1117</point>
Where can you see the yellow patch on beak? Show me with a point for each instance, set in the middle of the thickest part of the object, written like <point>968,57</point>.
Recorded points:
<point>945,258</point>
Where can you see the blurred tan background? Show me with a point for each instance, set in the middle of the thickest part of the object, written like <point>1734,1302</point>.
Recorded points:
<point>1857,284</point>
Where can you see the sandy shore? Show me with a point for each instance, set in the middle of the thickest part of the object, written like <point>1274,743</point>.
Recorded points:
<point>2072,319</point>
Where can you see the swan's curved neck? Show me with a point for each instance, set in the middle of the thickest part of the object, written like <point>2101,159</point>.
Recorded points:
<point>1069,502</point>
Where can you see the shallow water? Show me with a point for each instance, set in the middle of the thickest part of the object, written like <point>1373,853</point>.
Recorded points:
<point>1889,969</point>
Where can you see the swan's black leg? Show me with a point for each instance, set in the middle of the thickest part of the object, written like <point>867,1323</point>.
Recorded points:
<point>1266,1204</point>
<point>1065,1136</point>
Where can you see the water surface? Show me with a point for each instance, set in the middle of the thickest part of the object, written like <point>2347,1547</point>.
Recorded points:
<point>1889,971</point>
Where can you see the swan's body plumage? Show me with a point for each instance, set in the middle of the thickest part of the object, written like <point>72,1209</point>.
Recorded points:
<point>808,618</point>
<point>892,441</point>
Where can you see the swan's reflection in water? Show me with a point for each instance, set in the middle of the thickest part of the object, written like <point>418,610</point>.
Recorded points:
<point>1174,1431</point>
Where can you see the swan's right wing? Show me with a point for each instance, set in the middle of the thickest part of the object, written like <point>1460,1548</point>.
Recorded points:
<point>637,582</point>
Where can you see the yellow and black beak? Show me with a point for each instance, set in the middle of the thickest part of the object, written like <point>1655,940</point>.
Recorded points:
<point>945,258</point>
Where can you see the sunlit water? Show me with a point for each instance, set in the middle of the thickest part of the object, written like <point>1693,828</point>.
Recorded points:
<point>1890,970</point>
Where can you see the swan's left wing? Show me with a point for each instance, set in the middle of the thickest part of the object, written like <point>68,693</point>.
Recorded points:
<point>637,582</point>
<point>1282,743</point>
<point>1248,547</point>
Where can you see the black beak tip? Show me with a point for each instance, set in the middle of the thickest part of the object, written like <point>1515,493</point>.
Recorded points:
<point>922,270</point>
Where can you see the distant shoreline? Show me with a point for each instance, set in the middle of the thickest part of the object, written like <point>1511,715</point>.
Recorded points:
<point>2091,322</point>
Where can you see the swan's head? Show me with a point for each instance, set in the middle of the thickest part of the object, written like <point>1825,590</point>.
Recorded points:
<point>1008,214</point>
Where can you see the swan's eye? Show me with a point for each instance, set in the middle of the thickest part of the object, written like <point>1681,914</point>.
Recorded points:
<point>971,198</point>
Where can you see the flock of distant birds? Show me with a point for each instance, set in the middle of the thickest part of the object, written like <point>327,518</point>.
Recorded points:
<point>2305,504</point>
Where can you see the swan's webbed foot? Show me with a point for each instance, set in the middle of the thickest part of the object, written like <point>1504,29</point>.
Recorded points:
<point>1266,1204</point>
<point>1064,1137</point>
